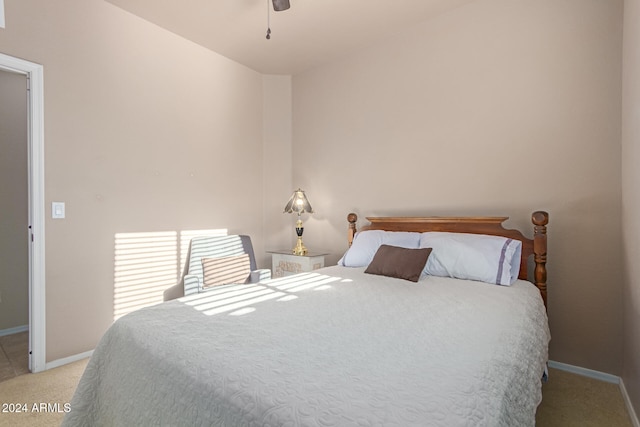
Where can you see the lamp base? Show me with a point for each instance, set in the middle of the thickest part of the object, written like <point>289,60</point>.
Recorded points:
<point>300,249</point>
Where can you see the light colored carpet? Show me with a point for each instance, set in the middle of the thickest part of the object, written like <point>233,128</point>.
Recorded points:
<point>43,395</point>
<point>568,400</point>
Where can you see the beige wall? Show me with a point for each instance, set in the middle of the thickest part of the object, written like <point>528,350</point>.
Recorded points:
<point>495,108</point>
<point>276,181</point>
<point>631,199</point>
<point>144,132</point>
<point>14,256</point>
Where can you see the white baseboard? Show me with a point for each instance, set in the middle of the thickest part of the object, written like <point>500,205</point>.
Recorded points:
<point>66,360</point>
<point>590,373</point>
<point>15,330</point>
<point>627,401</point>
<point>597,375</point>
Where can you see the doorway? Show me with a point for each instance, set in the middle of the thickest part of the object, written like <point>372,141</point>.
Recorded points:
<point>34,233</point>
<point>14,246</point>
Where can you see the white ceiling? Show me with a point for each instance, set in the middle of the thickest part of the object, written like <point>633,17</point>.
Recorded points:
<point>310,33</point>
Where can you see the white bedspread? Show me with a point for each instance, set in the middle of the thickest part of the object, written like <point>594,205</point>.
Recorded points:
<point>333,348</point>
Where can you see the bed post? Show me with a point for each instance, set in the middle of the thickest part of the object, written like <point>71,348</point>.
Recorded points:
<point>352,218</point>
<point>540,219</point>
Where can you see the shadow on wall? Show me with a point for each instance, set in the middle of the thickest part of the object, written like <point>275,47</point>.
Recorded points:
<point>145,264</point>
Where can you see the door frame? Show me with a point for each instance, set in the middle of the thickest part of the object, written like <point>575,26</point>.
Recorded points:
<point>35,120</point>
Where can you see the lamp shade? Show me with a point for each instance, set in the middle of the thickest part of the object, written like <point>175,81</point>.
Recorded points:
<point>298,203</point>
<point>279,5</point>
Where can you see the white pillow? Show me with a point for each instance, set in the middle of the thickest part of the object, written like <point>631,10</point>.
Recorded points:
<point>491,259</point>
<point>366,243</point>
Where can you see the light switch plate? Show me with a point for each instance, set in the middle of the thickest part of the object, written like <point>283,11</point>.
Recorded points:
<point>57,210</point>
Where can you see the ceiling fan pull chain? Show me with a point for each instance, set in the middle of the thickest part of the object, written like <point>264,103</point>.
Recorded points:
<point>268,22</point>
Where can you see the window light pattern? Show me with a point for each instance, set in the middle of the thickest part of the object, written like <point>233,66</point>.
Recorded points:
<point>145,264</point>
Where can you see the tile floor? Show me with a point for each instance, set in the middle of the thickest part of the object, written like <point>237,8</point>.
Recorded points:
<point>14,355</point>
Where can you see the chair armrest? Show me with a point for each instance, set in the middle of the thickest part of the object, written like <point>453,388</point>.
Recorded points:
<point>260,275</point>
<point>191,284</point>
<point>176,291</point>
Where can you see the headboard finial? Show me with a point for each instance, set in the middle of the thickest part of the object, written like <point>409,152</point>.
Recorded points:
<point>540,218</point>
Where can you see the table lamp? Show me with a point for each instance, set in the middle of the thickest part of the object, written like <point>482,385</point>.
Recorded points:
<point>300,204</point>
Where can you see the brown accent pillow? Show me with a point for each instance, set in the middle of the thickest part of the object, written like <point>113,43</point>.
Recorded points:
<point>225,270</point>
<point>401,263</point>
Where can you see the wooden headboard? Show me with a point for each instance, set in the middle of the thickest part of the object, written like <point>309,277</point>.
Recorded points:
<point>536,247</point>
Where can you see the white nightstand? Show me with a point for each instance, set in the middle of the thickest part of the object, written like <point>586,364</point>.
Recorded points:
<point>284,263</point>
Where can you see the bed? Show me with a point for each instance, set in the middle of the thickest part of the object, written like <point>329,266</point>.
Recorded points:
<point>346,345</point>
